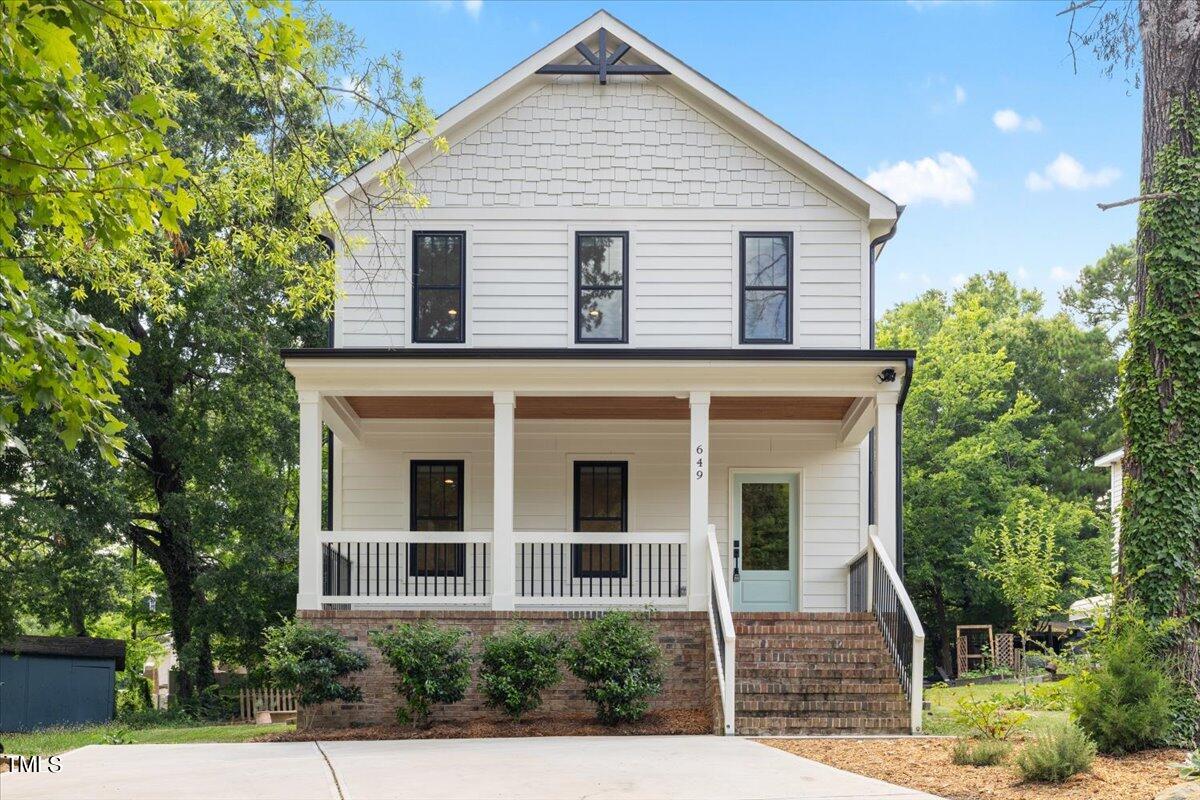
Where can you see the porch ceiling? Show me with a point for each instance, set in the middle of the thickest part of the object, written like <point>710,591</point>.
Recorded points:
<point>600,407</point>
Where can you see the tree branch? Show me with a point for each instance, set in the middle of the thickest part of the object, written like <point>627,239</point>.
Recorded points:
<point>1130,201</point>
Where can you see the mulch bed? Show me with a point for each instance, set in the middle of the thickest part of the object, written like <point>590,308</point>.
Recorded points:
<point>657,723</point>
<point>924,764</point>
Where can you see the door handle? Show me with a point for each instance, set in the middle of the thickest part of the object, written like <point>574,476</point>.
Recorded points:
<point>737,560</point>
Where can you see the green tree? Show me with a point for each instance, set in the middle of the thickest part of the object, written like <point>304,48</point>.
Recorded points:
<point>1104,293</point>
<point>1003,398</point>
<point>208,482</point>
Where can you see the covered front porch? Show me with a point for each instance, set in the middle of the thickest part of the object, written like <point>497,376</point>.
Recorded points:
<point>589,479</point>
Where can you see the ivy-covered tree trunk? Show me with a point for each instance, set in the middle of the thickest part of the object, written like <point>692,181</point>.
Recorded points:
<point>1160,389</point>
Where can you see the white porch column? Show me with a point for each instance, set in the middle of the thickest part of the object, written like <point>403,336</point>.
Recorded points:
<point>885,472</point>
<point>698,461</point>
<point>504,558</point>
<point>309,593</point>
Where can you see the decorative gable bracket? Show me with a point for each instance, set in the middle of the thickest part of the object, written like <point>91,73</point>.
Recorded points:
<point>602,64</point>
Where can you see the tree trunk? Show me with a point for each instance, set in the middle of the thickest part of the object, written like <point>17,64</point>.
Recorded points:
<point>945,654</point>
<point>1160,389</point>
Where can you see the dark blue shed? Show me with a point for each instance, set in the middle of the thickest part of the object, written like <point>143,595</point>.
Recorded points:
<point>58,680</point>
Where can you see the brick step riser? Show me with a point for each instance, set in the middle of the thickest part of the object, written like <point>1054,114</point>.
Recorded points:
<point>806,633</point>
<point>803,616</point>
<point>884,693</point>
<point>821,707</point>
<point>794,660</point>
<point>815,673</point>
<point>764,722</point>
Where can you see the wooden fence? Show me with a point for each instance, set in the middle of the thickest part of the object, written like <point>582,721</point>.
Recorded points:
<point>251,701</point>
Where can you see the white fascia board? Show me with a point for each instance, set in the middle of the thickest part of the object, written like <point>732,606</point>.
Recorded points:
<point>1111,458</point>
<point>880,210</point>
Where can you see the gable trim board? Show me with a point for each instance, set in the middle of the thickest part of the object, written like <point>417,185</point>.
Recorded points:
<point>708,99</point>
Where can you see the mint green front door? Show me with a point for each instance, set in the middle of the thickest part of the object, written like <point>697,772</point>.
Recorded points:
<point>765,538</point>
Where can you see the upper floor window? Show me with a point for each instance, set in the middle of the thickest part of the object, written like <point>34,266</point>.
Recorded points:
<point>601,278</point>
<point>439,286</point>
<point>766,288</point>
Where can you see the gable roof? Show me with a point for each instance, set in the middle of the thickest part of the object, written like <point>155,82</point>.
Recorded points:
<point>742,120</point>
<point>1109,459</point>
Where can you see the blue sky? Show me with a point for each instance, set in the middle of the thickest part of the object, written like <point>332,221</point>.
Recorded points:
<point>969,112</point>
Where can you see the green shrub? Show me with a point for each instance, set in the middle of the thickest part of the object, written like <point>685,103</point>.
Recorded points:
<point>1124,702</point>
<point>1050,696</point>
<point>979,752</point>
<point>517,665</point>
<point>432,666</point>
<point>619,661</point>
<point>986,718</point>
<point>1056,753</point>
<point>312,663</point>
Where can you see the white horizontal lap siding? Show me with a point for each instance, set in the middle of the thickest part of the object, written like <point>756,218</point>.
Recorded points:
<point>831,266</point>
<point>371,268</point>
<point>519,276</point>
<point>373,485</point>
<point>681,276</point>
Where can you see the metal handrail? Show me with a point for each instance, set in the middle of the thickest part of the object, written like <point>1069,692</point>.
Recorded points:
<point>720,619</point>
<point>886,598</point>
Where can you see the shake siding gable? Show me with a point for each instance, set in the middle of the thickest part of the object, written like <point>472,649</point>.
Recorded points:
<point>575,155</point>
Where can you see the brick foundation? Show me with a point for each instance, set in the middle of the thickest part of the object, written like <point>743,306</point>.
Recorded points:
<point>683,636</point>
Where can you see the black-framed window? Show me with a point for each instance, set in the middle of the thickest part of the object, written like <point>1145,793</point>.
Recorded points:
<point>439,286</point>
<point>436,504</point>
<point>601,506</point>
<point>601,287</point>
<point>766,277</point>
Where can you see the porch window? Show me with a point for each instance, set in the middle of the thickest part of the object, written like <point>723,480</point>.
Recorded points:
<point>766,271</point>
<point>439,286</point>
<point>601,278</point>
<point>436,504</point>
<point>601,505</point>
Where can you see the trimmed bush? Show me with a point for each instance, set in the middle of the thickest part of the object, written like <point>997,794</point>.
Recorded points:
<point>979,752</point>
<point>1056,753</point>
<point>517,665</point>
<point>1125,702</point>
<point>432,666</point>
<point>312,663</point>
<point>619,661</point>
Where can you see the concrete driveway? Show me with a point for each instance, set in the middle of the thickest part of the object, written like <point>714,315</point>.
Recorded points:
<point>683,767</point>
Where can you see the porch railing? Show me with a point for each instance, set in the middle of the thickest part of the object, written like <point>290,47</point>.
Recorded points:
<point>874,586</point>
<point>406,567</point>
<point>629,569</point>
<point>720,621</point>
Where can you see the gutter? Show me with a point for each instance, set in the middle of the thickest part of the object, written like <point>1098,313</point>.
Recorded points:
<point>589,353</point>
<point>873,251</point>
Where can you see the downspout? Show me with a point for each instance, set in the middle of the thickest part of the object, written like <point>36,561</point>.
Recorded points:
<point>908,371</point>
<point>873,250</point>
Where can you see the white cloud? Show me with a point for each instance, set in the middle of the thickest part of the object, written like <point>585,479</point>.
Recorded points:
<point>1067,173</point>
<point>946,179</point>
<point>1010,121</point>
<point>960,95</point>
<point>472,7</point>
<point>1022,273</point>
<point>959,279</point>
<point>1063,275</point>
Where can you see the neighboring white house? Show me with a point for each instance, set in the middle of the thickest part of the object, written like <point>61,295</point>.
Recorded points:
<point>624,357</point>
<point>1088,606</point>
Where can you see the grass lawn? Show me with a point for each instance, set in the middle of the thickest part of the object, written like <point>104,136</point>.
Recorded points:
<point>57,740</point>
<point>944,699</point>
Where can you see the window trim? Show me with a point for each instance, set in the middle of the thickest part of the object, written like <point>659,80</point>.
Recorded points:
<point>787,290</point>
<point>462,288</point>
<point>577,571</point>
<point>624,287</point>
<point>413,465</point>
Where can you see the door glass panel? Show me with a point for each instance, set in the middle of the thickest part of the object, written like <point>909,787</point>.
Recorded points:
<point>766,515</point>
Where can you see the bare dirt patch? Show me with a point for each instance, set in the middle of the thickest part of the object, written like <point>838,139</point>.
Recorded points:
<point>657,723</point>
<point>924,764</point>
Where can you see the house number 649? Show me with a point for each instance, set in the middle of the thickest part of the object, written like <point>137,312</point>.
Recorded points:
<point>699,461</point>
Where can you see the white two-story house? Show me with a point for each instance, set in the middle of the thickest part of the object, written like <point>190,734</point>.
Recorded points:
<point>622,358</point>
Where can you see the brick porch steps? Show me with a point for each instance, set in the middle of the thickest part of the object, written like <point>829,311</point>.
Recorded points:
<point>808,673</point>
